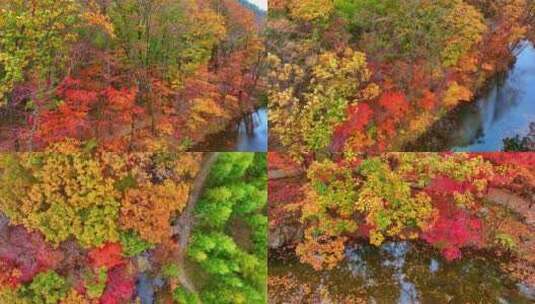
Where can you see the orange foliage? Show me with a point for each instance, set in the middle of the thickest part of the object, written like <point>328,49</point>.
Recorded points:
<point>395,103</point>
<point>149,209</point>
<point>121,106</point>
<point>322,252</point>
<point>428,100</point>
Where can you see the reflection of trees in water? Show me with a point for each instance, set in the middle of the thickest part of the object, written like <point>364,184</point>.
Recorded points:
<point>249,133</point>
<point>502,107</point>
<point>470,280</point>
<point>405,272</point>
<point>507,93</point>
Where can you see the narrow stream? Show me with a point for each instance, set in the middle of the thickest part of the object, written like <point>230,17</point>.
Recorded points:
<point>257,140</point>
<point>237,137</point>
<point>506,109</point>
<point>401,272</point>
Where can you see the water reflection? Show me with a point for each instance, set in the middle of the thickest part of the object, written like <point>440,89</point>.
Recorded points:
<point>249,134</point>
<point>257,139</point>
<point>505,111</point>
<point>401,272</point>
<point>395,258</point>
<point>433,266</point>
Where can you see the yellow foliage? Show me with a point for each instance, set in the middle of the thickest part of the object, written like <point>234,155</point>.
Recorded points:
<point>459,166</point>
<point>321,252</point>
<point>89,196</point>
<point>12,296</point>
<point>202,109</point>
<point>358,142</point>
<point>207,23</point>
<point>513,12</point>
<point>149,209</point>
<point>73,297</point>
<point>61,195</point>
<point>304,112</point>
<point>389,204</point>
<point>468,26</point>
<point>455,94</point>
<point>188,164</point>
<point>94,17</point>
<point>420,123</point>
<point>309,10</point>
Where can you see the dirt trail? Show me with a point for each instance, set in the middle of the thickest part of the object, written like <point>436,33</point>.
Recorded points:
<point>185,222</point>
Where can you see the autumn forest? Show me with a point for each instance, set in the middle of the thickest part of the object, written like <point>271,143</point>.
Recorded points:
<point>128,75</point>
<point>254,151</point>
<point>374,76</point>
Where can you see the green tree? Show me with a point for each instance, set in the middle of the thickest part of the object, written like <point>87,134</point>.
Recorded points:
<point>234,256</point>
<point>46,288</point>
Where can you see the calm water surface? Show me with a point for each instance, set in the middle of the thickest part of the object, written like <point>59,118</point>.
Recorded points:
<point>505,111</point>
<point>236,137</point>
<point>397,272</point>
<point>257,141</point>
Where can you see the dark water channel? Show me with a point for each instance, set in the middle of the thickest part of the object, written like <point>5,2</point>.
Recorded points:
<point>505,109</point>
<point>400,272</point>
<point>249,134</point>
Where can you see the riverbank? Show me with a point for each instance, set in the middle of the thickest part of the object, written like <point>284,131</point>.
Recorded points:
<point>502,109</point>
<point>333,217</point>
<point>368,81</point>
<point>218,134</point>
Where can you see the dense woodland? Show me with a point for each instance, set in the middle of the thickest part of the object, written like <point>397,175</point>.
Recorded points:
<point>101,99</point>
<point>81,226</point>
<point>367,75</point>
<point>452,202</point>
<point>126,74</point>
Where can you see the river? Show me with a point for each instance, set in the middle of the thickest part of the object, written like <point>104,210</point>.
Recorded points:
<point>505,109</point>
<point>236,137</point>
<point>398,272</point>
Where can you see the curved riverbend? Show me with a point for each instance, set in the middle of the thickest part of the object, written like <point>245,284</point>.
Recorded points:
<point>504,110</point>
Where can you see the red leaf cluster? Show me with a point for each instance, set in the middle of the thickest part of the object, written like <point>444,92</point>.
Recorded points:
<point>119,286</point>
<point>524,159</point>
<point>282,161</point>
<point>121,105</point>
<point>358,117</point>
<point>446,185</point>
<point>71,114</point>
<point>428,101</point>
<point>395,103</point>
<point>453,230</point>
<point>85,110</point>
<point>109,256</point>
